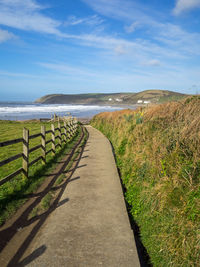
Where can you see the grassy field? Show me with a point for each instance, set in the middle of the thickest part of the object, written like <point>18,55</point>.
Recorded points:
<point>11,193</point>
<point>158,154</point>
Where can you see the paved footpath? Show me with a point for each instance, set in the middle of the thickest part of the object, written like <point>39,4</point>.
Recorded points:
<point>91,228</point>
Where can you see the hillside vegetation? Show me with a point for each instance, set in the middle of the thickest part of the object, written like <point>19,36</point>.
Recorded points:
<point>158,154</point>
<point>153,96</point>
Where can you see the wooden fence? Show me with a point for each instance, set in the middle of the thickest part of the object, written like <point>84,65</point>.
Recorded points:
<point>69,129</point>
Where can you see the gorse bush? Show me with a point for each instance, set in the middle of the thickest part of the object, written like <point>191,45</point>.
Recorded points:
<point>158,153</point>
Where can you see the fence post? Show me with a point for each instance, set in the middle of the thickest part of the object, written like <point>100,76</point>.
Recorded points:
<point>53,139</point>
<point>59,134</point>
<point>73,126</point>
<point>25,152</point>
<point>54,117</point>
<point>65,132</point>
<point>70,129</point>
<point>43,144</point>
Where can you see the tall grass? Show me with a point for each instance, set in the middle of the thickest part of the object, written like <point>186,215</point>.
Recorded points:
<point>158,153</point>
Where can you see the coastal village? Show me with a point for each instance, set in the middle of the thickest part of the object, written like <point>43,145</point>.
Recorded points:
<point>138,101</point>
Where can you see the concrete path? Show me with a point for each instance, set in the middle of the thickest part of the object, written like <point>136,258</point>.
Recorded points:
<point>92,228</point>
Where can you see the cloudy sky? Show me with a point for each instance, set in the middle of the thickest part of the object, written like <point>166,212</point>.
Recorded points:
<point>81,46</point>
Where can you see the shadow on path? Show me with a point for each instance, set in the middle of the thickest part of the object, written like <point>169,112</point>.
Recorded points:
<point>35,254</point>
<point>22,221</point>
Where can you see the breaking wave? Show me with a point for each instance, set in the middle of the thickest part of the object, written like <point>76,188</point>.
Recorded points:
<point>50,108</point>
<point>14,111</point>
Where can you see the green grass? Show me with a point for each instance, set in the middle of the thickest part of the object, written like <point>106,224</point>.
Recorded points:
<point>74,157</point>
<point>44,205</point>
<point>157,152</point>
<point>13,130</point>
<point>12,193</point>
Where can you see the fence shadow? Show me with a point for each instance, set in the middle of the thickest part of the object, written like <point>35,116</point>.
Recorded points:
<point>7,234</point>
<point>35,254</point>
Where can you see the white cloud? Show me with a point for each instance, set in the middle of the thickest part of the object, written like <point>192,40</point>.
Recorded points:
<point>125,10</point>
<point>133,48</point>
<point>175,37</point>
<point>66,69</point>
<point>185,5</point>
<point>91,20</point>
<point>16,74</point>
<point>152,63</point>
<point>23,4</point>
<point>26,15</point>
<point>120,50</point>
<point>171,37</point>
<point>5,36</point>
<point>131,28</point>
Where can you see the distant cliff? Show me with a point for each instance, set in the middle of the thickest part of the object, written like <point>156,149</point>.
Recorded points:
<point>148,96</point>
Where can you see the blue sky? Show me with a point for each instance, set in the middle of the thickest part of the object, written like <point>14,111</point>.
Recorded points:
<point>88,46</point>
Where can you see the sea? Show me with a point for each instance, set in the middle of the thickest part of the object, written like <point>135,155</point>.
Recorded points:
<point>28,110</point>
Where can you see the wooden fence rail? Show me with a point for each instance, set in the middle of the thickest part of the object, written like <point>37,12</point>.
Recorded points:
<point>69,127</point>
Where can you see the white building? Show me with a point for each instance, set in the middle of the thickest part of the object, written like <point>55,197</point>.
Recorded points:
<point>140,101</point>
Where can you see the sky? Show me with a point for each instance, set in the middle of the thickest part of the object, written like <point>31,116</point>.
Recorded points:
<point>96,46</point>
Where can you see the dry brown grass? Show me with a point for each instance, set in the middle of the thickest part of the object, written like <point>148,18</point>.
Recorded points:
<point>158,153</point>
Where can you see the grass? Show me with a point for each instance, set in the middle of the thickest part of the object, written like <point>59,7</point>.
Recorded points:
<point>12,130</point>
<point>12,193</point>
<point>46,202</point>
<point>74,157</point>
<point>158,154</point>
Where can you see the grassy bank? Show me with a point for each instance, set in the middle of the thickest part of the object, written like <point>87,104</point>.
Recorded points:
<point>158,154</point>
<point>12,193</point>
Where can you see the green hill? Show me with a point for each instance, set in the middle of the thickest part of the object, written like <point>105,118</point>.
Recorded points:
<point>149,96</point>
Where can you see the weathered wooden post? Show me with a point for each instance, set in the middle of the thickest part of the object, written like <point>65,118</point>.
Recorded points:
<point>73,123</point>
<point>65,132</point>
<point>53,139</point>
<point>43,140</point>
<point>59,134</point>
<point>76,125</point>
<point>70,129</point>
<point>25,152</point>
<point>54,117</point>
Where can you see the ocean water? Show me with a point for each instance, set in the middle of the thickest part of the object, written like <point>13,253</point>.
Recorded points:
<point>24,111</point>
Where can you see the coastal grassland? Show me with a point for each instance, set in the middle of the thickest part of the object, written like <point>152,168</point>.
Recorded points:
<point>13,193</point>
<point>158,153</point>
